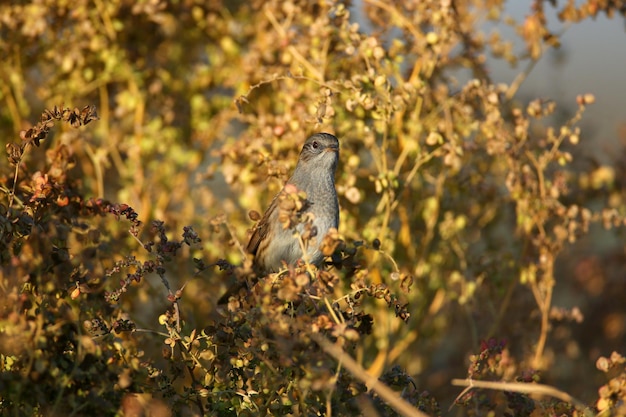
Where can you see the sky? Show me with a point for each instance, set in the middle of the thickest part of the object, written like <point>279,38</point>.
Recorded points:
<point>591,59</point>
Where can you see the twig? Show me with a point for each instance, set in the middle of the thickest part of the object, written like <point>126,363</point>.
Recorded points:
<point>234,237</point>
<point>521,387</point>
<point>519,79</point>
<point>386,393</point>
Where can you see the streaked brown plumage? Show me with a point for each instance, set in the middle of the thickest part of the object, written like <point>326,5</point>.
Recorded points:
<point>271,244</point>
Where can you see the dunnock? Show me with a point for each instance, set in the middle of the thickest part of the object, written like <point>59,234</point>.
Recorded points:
<point>271,243</point>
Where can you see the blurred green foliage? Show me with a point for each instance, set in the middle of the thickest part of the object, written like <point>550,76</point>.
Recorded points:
<point>459,203</point>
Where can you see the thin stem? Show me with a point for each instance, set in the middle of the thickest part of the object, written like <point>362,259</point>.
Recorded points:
<point>373,383</point>
<point>520,387</point>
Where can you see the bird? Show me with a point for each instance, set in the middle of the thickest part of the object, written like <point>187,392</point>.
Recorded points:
<point>272,244</point>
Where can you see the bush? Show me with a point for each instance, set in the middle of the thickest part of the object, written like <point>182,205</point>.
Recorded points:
<point>461,207</point>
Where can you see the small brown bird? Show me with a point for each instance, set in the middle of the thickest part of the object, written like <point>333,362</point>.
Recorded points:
<point>271,243</point>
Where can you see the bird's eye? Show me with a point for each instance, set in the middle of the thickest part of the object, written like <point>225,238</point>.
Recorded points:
<point>315,144</point>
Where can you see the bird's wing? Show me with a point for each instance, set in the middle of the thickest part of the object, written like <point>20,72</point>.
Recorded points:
<point>261,229</point>
<point>258,232</point>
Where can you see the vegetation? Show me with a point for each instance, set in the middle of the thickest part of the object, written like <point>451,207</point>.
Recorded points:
<point>125,207</point>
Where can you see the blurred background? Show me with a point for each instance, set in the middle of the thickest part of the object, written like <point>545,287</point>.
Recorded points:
<point>482,143</point>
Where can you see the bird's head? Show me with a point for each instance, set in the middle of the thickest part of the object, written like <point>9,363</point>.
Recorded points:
<point>321,149</point>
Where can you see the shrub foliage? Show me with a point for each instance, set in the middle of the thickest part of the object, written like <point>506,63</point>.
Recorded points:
<point>463,209</point>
